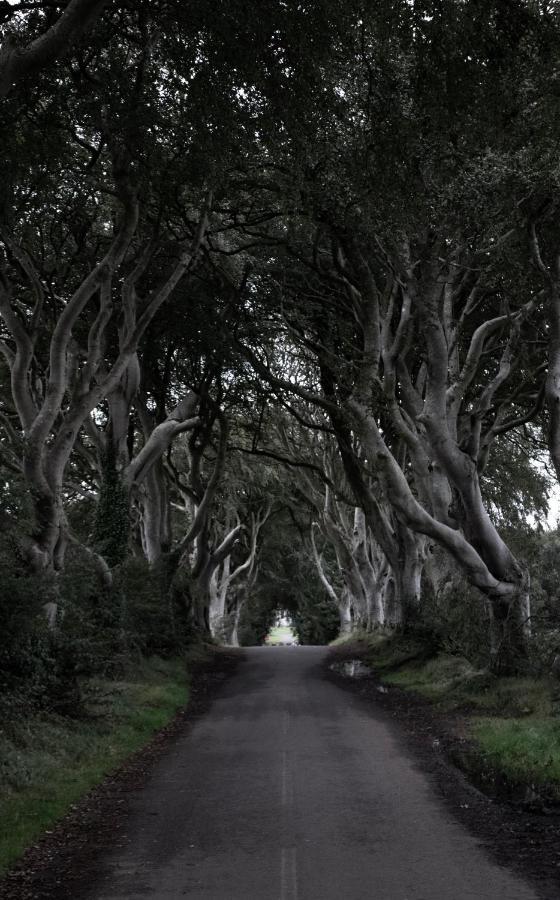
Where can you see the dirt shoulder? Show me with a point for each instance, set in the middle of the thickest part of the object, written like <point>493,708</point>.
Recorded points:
<point>523,838</point>
<point>53,867</point>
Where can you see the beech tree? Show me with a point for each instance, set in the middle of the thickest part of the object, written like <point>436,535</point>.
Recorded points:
<point>225,610</point>
<point>53,410</point>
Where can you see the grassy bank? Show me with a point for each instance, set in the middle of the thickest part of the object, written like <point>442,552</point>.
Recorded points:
<point>48,762</point>
<point>514,722</point>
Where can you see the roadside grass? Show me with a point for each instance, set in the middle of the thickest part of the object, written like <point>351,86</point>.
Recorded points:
<point>521,748</point>
<point>513,721</point>
<point>453,684</point>
<point>47,763</point>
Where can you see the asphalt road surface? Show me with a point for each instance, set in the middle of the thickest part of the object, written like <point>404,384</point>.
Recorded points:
<point>290,788</point>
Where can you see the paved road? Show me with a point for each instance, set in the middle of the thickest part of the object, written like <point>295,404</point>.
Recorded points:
<point>290,789</point>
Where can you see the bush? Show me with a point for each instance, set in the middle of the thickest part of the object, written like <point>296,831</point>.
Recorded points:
<point>154,614</point>
<point>456,621</point>
<point>257,617</point>
<point>96,633</point>
<point>315,620</point>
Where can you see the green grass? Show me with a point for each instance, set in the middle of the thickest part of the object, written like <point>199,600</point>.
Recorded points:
<point>518,732</point>
<point>514,721</point>
<point>48,763</point>
<point>355,637</point>
<point>521,748</point>
<point>280,634</point>
<point>453,684</point>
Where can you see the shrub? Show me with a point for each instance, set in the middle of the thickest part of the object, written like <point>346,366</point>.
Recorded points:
<point>456,620</point>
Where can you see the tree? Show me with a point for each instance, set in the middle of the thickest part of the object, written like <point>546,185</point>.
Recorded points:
<point>18,59</point>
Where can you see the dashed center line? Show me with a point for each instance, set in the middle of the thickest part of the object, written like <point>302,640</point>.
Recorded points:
<point>288,874</point>
<point>288,858</point>
<point>287,792</point>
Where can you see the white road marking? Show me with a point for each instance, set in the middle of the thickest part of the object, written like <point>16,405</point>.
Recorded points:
<point>288,860</point>
<point>288,874</point>
<point>287,793</point>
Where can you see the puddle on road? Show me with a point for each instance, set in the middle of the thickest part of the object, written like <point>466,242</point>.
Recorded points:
<point>351,668</point>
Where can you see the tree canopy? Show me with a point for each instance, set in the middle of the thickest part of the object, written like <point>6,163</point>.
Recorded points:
<point>279,312</point>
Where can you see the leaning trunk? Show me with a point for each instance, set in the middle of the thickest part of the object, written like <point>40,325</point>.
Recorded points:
<point>47,543</point>
<point>552,388</point>
<point>155,522</point>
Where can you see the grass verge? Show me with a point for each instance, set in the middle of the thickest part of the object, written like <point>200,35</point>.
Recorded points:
<point>524,750</point>
<point>514,723</point>
<point>48,762</point>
